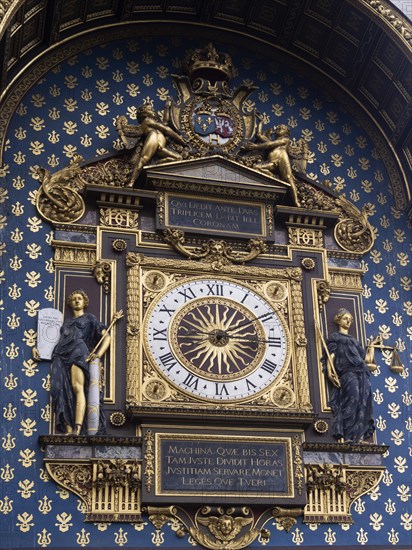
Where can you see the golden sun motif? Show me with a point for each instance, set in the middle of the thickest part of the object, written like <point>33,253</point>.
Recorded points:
<point>218,338</point>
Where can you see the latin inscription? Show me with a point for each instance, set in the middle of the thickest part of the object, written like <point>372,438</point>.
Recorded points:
<point>209,215</point>
<point>193,466</point>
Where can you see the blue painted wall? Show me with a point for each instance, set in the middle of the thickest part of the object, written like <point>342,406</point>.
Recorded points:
<point>71,111</point>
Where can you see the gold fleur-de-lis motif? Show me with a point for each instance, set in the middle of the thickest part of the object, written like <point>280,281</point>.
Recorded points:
<point>120,537</point>
<point>63,520</point>
<point>45,505</point>
<point>13,321</point>
<point>20,134</point>
<point>54,113</point>
<point>26,488</point>
<point>14,292</point>
<point>390,507</point>
<point>29,397</point>
<point>330,536</point>
<point>297,537</point>
<point>53,161</point>
<point>9,442</point>
<point>359,506</point>
<point>9,412</point>
<point>24,522</point>
<point>44,476</point>
<point>28,427</point>
<point>45,413</point>
<point>393,536</point>
<point>83,538</point>
<point>387,478</point>
<point>46,383</point>
<point>158,537</point>
<point>49,294</point>
<point>19,158</point>
<point>6,505</point>
<point>7,473</point>
<point>362,536</point>
<point>10,381</point>
<point>12,351</point>
<point>27,458</point>
<point>49,267</point>
<point>44,538</point>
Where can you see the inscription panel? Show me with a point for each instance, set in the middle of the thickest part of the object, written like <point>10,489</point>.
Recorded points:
<point>208,467</point>
<point>195,214</point>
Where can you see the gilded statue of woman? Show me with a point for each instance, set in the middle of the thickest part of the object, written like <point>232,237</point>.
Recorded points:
<point>70,365</point>
<point>350,391</point>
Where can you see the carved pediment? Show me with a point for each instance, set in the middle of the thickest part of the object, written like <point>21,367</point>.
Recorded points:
<point>215,172</point>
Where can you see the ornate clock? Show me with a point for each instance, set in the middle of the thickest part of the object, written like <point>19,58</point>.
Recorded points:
<point>216,344</point>
<point>216,339</point>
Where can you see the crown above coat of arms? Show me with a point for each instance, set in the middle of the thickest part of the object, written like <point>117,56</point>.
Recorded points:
<point>208,63</point>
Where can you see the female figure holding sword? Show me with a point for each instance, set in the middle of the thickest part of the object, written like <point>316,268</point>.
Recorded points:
<point>82,339</point>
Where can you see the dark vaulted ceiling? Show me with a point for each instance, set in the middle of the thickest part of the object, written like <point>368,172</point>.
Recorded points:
<point>360,50</point>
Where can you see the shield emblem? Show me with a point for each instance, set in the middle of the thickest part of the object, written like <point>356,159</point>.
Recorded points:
<point>208,123</point>
<point>204,124</point>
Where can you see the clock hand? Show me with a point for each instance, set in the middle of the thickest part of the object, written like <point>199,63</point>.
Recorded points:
<point>253,340</point>
<point>265,316</point>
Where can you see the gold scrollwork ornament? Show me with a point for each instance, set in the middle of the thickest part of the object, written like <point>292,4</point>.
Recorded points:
<point>58,199</point>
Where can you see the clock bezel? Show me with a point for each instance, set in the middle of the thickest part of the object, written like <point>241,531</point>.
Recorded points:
<point>225,386</point>
<point>177,403</point>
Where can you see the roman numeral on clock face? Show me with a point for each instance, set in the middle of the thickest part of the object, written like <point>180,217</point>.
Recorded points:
<point>221,389</point>
<point>215,290</point>
<point>165,309</point>
<point>168,361</point>
<point>191,381</point>
<point>269,366</point>
<point>160,334</point>
<point>187,294</point>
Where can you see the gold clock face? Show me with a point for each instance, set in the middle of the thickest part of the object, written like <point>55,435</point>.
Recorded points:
<point>216,339</point>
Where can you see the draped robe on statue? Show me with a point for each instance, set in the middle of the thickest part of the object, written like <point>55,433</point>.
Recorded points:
<point>78,337</point>
<point>351,404</point>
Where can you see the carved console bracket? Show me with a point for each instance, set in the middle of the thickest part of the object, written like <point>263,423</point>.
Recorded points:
<point>216,527</point>
<point>218,253</point>
<point>333,488</point>
<point>104,472</point>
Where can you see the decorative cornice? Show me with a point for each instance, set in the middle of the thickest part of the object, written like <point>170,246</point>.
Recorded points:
<point>402,26</point>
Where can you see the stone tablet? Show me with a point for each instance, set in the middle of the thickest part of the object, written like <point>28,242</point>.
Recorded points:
<point>48,331</point>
